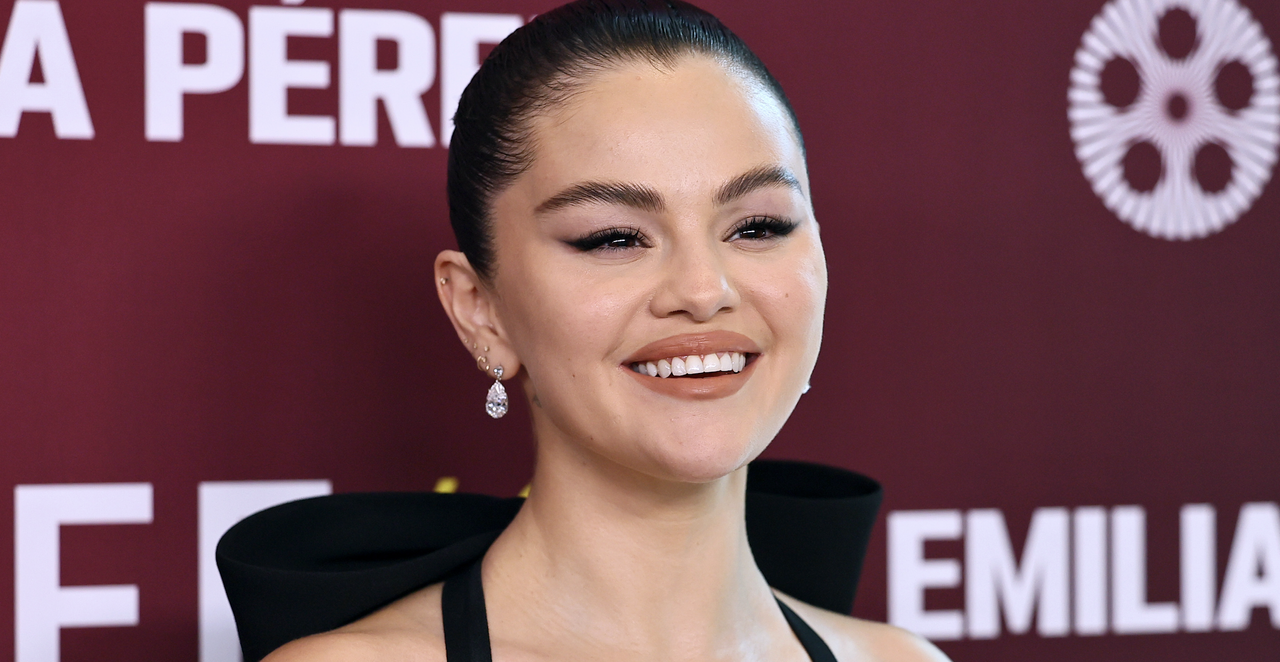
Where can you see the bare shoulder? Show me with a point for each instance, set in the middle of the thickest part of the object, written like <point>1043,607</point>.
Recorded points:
<point>330,647</point>
<point>408,630</point>
<point>856,640</point>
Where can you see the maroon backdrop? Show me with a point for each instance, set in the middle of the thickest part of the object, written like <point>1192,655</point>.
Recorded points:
<point>216,309</point>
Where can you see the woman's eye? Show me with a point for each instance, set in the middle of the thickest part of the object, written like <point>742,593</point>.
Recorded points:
<point>762,228</point>
<point>609,240</point>
<point>620,242</point>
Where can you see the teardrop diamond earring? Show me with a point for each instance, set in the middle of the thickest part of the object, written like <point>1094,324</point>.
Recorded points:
<point>496,404</point>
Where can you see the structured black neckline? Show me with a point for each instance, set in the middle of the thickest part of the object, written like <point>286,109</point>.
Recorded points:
<point>466,623</point>
<point>314,565</point>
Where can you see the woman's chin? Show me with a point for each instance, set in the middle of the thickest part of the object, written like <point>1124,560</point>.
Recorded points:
<point>702,461</point>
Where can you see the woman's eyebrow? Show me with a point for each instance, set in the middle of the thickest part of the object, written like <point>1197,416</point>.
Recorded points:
<point>609,193</point>
<point>772,175</point>
<point>646,199</point>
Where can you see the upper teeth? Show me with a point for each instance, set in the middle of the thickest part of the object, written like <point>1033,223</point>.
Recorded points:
<point>692,365</point>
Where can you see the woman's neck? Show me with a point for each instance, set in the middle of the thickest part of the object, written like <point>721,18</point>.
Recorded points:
<point>630,563</point>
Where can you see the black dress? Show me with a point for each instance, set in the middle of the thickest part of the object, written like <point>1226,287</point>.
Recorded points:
<point>314,565</point>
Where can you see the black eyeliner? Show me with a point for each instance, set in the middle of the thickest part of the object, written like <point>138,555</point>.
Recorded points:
<point>780,227</point>
<point>600,238</point>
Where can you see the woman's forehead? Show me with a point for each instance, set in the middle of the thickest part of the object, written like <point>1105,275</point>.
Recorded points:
<point>692,125</point>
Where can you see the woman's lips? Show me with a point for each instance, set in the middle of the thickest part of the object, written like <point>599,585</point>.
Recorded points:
<point>698,366</point>
<point>694,344</point>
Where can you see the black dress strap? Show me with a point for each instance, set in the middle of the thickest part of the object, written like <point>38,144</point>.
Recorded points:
<point>813,644</point>
<point>466,625</point>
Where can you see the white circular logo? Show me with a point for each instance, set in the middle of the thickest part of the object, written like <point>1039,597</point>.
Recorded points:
<point>1178,137</point>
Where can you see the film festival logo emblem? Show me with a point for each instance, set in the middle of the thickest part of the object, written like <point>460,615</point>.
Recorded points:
<point>1174,109</point>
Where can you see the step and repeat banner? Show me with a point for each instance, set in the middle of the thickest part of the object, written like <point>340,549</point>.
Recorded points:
<point>1053,332</point>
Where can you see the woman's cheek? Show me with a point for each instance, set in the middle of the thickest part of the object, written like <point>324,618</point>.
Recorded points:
<point>812,286</point>
<point>793,296</point>
<point>565,327</point>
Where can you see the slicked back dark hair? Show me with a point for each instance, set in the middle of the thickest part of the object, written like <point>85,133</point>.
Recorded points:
<point>541,65</point>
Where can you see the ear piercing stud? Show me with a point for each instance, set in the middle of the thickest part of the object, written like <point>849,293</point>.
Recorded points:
<point>496,403</point>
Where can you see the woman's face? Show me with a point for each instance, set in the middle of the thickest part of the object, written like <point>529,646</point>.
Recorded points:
<point>665,220</point>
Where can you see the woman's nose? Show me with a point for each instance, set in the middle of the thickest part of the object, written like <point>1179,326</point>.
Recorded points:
<point>695,283</point>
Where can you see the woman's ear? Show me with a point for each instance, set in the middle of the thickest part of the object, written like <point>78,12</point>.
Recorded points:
<point>470,306</point>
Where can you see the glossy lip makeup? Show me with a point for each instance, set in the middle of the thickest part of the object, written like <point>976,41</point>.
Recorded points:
<point>693,365</point>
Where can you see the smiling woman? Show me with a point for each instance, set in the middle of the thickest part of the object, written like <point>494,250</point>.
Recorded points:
<point>663,215</point>
<point>627,184</point>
